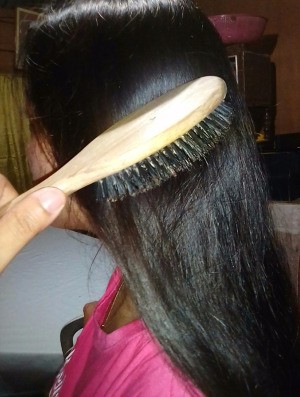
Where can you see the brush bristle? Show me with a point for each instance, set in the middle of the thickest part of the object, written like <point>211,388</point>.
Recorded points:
<point>178,156</point>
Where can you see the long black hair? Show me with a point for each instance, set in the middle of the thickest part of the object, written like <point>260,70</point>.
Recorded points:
<point>198,253</point>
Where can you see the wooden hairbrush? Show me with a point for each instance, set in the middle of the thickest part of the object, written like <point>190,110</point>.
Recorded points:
<point>151,144</point>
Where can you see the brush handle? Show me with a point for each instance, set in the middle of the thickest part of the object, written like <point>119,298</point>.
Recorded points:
<point>139,135</point>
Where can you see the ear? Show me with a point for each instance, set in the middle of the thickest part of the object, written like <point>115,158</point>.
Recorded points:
<point>73,217</point>
<point>40,159</point>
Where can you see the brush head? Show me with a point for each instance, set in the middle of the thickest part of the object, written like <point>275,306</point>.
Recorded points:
<point>178,156</point>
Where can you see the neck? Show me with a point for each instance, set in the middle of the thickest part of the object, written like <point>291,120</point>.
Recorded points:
<point>122,310</point>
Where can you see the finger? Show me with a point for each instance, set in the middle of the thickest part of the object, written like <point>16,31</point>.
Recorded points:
<point>27,218</point>
<point>7,191</point>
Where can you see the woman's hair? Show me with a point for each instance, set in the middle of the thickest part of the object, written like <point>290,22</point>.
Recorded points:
<point>198,253</point>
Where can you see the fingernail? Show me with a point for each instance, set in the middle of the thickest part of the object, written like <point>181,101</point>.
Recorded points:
<point>51,199</point>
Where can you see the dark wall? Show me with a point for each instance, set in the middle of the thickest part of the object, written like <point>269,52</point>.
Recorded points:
<point>283,20</point>
<point>20,3</point>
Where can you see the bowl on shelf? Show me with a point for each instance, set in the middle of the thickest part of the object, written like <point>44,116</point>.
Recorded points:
<point>239,28</point>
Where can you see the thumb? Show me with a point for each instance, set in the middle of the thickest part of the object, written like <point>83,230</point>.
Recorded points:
<point>26,218</point>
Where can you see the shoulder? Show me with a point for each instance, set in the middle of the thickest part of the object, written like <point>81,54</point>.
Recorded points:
<point>152,374</point>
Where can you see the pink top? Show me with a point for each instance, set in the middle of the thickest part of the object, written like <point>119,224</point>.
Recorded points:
<point>125,363</point>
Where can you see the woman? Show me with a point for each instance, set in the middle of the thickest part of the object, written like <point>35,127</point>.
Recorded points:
<point>201,303</point>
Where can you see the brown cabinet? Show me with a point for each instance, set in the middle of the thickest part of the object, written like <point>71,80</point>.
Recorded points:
<point>7,41</point>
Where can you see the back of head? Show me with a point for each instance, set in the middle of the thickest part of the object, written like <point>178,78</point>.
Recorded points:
<point>118,55</point>
<point>197,252</point>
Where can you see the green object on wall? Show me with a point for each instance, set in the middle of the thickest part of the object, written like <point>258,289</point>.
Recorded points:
<point>14,132</point>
